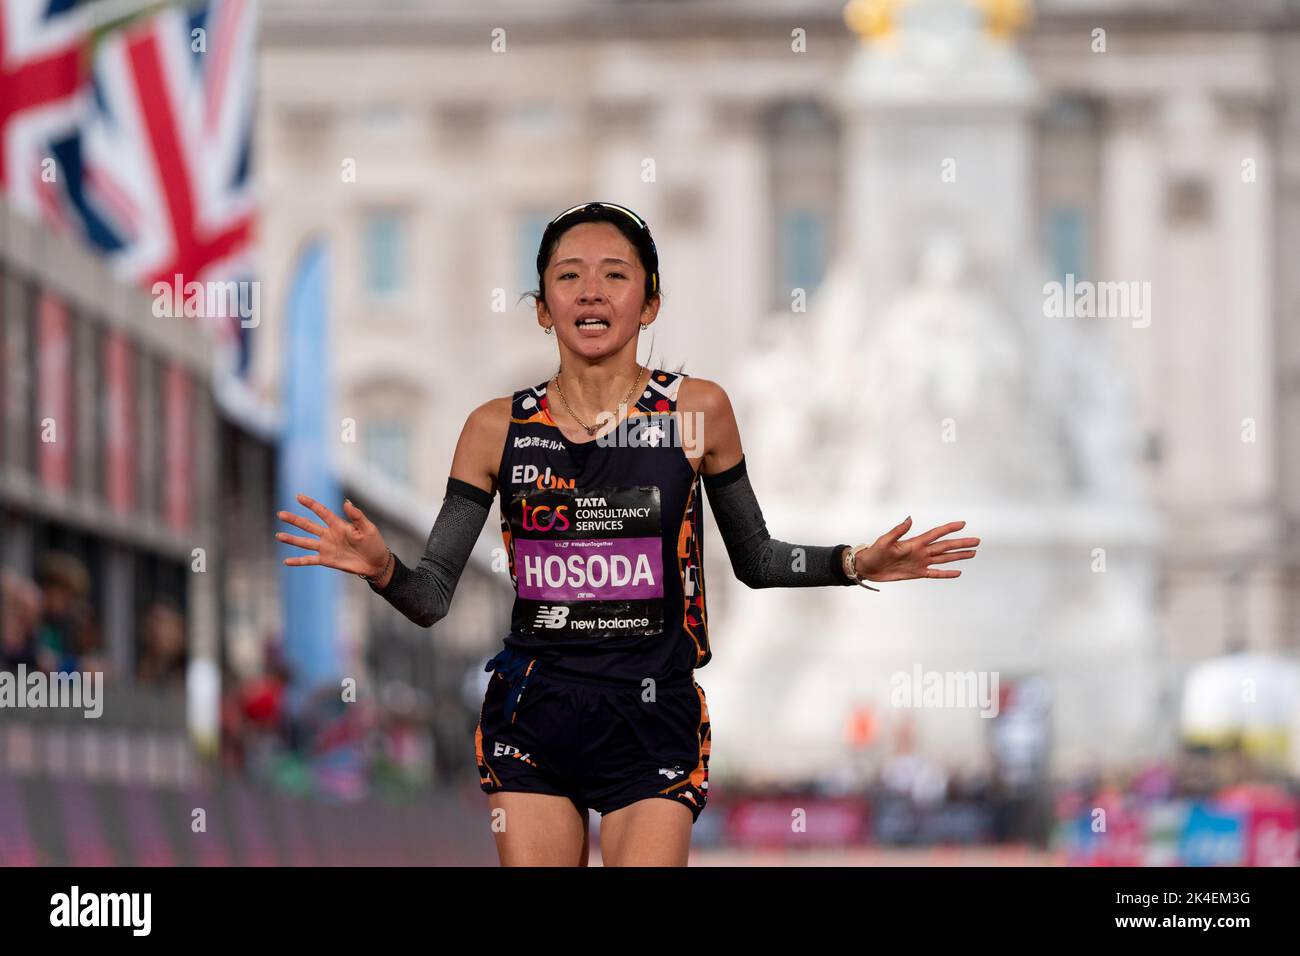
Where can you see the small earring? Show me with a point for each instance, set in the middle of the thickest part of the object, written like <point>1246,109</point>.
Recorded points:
<point>644,326</point>
<point>548,330</point>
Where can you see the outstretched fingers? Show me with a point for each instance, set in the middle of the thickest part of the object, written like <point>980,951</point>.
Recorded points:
<point>942,552</point>
<point>298,521</point>
<point>928,537</point>
<point>330,518</point>
<point>307,544</point>
<point>949,556</point>
<point>953,544</point>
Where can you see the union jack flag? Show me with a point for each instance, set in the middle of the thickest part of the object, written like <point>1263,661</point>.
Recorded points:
<point>42,93</point>
<point>146,124</point>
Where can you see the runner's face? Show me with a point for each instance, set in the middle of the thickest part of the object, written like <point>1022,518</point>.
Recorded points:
<point>595,271</point>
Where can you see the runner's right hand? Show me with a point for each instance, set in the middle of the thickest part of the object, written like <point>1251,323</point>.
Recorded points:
<point>355,546</point>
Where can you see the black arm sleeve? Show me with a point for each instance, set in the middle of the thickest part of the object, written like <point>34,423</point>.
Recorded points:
<point>424,593</point>
<point>758,560</point>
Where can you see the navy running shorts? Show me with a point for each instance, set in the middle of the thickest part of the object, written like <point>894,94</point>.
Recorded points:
<point>601,745</point>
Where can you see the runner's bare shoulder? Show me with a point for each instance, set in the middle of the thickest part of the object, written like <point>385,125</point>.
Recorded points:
<point>478,452</point>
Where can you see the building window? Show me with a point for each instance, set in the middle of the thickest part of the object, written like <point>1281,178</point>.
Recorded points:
<point>384,253</point>
<point>802,138</point>
<point>1067,242</point>
<point>385,117</point>
<point>1068,173</point>
<point>386,444</point>
<point>535,118</point>
<point>801,251</point>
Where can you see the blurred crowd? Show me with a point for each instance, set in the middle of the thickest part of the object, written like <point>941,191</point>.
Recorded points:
<point>332,746</point>
<point>1202,807</point>
<point>50,625</point>
<point>337,747</point>
<point>1199,773</point>
<point>907,799</point>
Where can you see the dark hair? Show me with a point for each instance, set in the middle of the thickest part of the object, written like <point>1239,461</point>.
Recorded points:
<point>632,226</point>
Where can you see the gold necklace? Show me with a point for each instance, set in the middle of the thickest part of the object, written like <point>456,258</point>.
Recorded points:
<point>591,429</point>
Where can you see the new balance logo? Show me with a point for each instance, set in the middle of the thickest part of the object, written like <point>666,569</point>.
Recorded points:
<point>551,617</point>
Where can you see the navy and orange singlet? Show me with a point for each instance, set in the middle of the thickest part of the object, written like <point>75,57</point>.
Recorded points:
<point>605,542</point>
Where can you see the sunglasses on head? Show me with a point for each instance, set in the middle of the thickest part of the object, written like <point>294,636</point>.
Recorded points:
<point>641,224</point>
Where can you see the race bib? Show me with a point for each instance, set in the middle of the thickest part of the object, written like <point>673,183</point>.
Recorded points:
<point>588,562</point>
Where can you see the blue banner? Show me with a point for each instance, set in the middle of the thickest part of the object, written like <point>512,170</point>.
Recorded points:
<point>306,466</point>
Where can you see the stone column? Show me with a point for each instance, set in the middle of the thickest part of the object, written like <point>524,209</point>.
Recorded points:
<point>1129,208</point>
<point>1247,334</point>
<point>734,278</point>
<point>203,684</point>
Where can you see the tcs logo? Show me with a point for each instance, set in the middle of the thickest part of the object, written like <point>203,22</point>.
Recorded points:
<point>544,517</point>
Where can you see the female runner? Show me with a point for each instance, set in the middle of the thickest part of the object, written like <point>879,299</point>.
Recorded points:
<point>593,702</point>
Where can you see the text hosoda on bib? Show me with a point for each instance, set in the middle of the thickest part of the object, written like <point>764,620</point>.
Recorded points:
<point>605,542</point>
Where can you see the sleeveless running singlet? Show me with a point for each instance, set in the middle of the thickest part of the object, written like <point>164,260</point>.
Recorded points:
<point>605,542</point>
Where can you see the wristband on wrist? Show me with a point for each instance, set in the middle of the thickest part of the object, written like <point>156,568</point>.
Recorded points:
<point>850,567</point>
<point>374,579</point>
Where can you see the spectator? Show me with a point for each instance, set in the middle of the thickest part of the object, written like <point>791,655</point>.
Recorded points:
<point>64,585</point>
<point>20,613</point>
<point>90,642</point>
<point>263,701</point>
<point>161,660</point>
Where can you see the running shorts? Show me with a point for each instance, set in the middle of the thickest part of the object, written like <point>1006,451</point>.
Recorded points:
<point>603,746</point>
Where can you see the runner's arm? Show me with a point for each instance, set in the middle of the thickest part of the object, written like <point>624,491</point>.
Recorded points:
<point>423,593</point>
<point>758,559</point>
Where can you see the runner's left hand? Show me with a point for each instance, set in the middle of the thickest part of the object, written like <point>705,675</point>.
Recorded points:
<point>894,558</point>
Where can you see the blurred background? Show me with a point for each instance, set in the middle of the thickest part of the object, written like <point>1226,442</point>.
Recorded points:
<point>1020,264</point>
